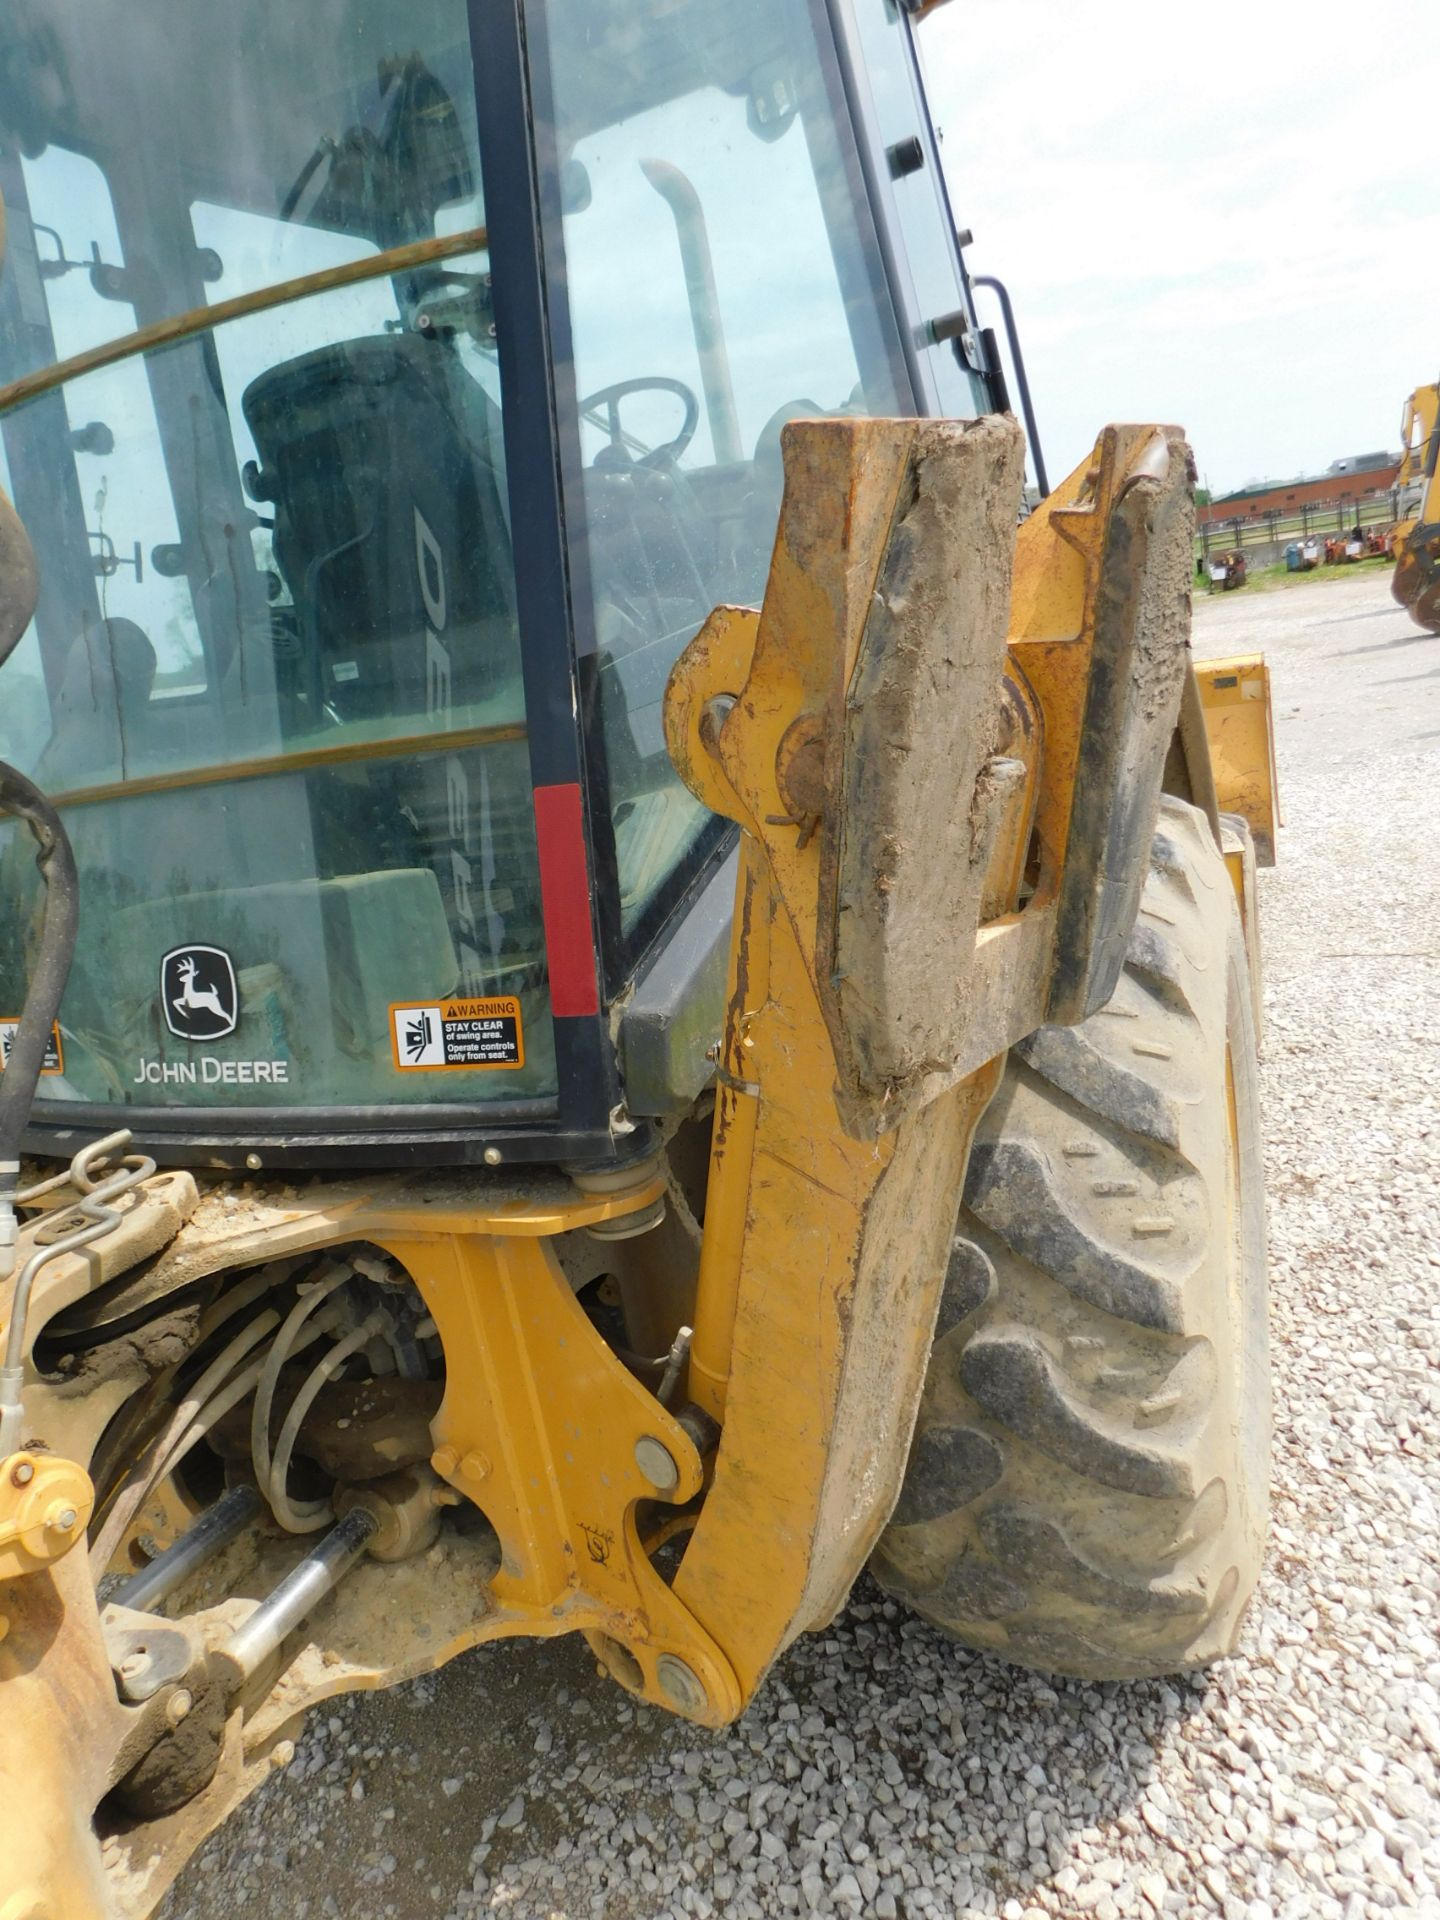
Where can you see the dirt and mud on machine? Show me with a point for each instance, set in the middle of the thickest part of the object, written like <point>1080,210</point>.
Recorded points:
<point>630,1001</point>
<point>1415,537</point>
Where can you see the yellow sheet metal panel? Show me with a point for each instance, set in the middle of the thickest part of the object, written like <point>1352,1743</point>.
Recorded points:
<point>552,1436</point>
<point>1238,846</point>
<point>1418,424</point>
<point>1235,694</point>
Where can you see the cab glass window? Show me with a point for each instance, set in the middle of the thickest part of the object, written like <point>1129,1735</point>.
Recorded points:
<point>274,679</point>
<point>685,142</point>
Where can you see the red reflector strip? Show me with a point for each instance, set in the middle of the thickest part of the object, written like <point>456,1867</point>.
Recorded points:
<point>565,900</point>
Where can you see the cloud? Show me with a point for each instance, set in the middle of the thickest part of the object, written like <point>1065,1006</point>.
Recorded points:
<point>1224,218</point>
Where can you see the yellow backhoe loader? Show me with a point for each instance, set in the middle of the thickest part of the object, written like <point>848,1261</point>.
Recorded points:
<point>1415,538</point>
<point>634,996</point>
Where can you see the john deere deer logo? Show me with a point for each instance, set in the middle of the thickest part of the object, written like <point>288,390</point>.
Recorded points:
<point>199,993</point>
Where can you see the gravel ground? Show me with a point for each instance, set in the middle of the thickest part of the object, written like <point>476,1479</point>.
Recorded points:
<point>886,1772</point>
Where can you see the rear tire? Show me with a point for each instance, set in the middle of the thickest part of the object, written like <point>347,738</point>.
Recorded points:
<point>1087,1490</point>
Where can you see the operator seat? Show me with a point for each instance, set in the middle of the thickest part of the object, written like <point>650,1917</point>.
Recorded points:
<point>102,707</point>
<point>380,456</point>
<point>356,440</point>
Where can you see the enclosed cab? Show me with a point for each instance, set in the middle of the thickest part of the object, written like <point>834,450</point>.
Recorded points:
<point>389,396</point>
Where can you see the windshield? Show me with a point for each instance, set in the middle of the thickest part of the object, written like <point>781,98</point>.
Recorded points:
<point>715,267</point>
<point>274,676</point>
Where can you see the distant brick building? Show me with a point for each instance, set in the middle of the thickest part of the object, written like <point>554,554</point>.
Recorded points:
<point>1347,484</point>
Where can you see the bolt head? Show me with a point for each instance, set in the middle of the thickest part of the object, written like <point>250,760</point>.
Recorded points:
<point>713,715</point>
<point>23,1474</point>
<point>178,1706</point>
<point>680,1684</point>
<point>254,1162</point>
<point>64,1521</point>
<point>475,1466</point>
<point>492,1156</point>
<point>657,1463</point>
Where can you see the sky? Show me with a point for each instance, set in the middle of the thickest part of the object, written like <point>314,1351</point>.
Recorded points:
<point>1225,217</point>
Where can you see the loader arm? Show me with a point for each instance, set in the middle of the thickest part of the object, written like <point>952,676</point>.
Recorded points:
<point>944,745</point>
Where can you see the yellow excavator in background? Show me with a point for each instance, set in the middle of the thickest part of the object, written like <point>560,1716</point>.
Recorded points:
<point>1415,538</point>
<point>634,997</point>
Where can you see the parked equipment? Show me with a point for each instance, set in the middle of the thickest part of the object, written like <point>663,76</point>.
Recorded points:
<point>1415,537</point>
<point>1226,571</point>
<point>662,1002</point>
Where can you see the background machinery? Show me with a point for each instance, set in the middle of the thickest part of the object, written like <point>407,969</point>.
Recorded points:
<point>1225,571</point>
<point>1415,538</point>
<point>573,827</point>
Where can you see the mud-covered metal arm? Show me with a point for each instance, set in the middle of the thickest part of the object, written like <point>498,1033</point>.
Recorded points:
<point>920,684</point>
<point>945,747</point>
<point>851,728</point>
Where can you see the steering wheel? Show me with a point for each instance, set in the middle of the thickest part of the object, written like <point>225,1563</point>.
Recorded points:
<point>610,397</point>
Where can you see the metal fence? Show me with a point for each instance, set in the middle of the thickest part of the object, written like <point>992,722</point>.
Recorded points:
<point>1274,528</point>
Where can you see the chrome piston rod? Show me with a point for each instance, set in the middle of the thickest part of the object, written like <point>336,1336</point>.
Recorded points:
<point>301,1589</point>
<point>214,1529</point>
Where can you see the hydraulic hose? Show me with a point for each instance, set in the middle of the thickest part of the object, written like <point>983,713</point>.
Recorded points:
<point>160,1452</point>
<point>325,1283</point>
<point>181,1436</point>
<point>306,1516</point>
<point>22,799</point>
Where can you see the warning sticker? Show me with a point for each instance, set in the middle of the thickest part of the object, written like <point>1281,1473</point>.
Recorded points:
<point>430,1034</point>
<point>54,1058</point>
